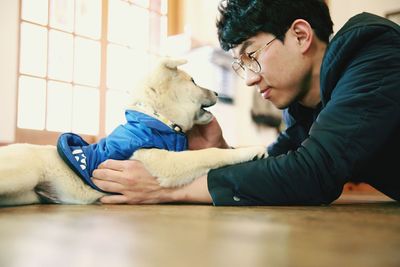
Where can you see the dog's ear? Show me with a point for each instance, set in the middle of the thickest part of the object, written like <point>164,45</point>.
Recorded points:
<point>173,63</point>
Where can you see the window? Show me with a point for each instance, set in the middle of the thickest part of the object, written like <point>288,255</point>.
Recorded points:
<point>79,60</point>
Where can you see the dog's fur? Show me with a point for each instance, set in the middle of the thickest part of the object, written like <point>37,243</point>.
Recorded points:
<point>36,174</point>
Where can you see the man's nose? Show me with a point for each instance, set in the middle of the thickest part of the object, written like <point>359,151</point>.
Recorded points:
<point>251,77</point>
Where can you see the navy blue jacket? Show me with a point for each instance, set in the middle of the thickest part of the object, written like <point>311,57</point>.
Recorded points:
<point>140,131</point>
<point>354,134</point>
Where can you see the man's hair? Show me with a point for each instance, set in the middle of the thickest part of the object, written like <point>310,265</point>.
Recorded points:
<point>240,20</point>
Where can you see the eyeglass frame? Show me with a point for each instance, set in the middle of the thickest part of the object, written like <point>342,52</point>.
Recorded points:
<point>251,55</point>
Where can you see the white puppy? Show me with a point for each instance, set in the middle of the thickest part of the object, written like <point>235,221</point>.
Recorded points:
<point>38,174</point>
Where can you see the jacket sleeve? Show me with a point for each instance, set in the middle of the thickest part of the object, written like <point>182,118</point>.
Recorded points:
<point>362,112</point>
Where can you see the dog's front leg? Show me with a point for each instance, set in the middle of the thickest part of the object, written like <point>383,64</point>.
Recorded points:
<point>179,168</point>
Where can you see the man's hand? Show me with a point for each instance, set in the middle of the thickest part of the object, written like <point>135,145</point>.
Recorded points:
<point>131,180</point>
<point>136,185</point>
<point>205,136</point>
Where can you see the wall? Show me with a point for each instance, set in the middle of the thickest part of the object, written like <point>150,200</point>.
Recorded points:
<point>200,18</point>
<point>341,10</point>
<point>9,10</point>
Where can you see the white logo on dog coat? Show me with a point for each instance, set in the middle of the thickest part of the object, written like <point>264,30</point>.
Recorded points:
<point>80,157</point>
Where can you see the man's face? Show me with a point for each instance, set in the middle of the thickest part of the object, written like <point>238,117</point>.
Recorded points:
<point>285,72</point>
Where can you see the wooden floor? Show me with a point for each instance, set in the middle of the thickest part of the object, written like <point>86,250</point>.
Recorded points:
<point>355,231</point>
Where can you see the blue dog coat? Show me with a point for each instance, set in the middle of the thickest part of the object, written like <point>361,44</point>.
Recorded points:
<point>140,131</point>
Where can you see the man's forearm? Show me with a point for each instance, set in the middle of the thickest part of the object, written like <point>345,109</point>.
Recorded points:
<point>195,192</point>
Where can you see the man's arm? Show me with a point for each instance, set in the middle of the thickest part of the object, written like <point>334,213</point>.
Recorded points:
<point>195,192</point>
<point>135,185</point>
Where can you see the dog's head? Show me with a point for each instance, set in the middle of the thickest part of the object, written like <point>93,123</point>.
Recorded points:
<point>174,94</point>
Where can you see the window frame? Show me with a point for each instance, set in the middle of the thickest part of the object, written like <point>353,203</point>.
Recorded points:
<point>23,135</point>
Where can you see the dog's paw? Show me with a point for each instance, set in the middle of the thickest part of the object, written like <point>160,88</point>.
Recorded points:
<point>259,152</point>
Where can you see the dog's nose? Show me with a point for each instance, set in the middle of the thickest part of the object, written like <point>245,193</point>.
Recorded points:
<point>215,93</point>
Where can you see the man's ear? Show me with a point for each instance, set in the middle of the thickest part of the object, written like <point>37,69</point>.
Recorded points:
<point>173,63</point>
<point>302,31</point>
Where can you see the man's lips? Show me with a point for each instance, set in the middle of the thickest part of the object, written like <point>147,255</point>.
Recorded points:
<point>265,92</point>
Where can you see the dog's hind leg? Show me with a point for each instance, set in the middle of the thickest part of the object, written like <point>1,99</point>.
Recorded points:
<point>13,180</point>
<point>19,174</point>
<point>22,198</point>
<point>36,174</point>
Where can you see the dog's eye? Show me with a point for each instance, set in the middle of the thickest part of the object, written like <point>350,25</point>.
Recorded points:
<point>194,81</point>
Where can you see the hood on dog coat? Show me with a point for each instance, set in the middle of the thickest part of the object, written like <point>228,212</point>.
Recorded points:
<point>140,131</point>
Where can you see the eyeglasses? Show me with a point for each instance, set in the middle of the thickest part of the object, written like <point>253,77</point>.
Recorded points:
<point>248,61</point>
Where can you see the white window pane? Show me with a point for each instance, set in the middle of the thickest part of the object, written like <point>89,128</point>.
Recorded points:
<point>62,14</point>
<point>125,67</point>
<point>88,18</point>
<point>60,55</point>
<point>128,25</point>
<point>59,106</point>
<point>31,103</point>
<point>143,3</point>
<point>115,109</point>
<point>33,53</point>
<point>118,18</point>
<point>137,28</point>
<point>163,35</point>
<point>85,118</point>
<point>35,11</point>
<point>87,62</point>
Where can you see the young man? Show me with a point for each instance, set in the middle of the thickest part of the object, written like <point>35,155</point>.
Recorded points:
<point>341,102</point>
